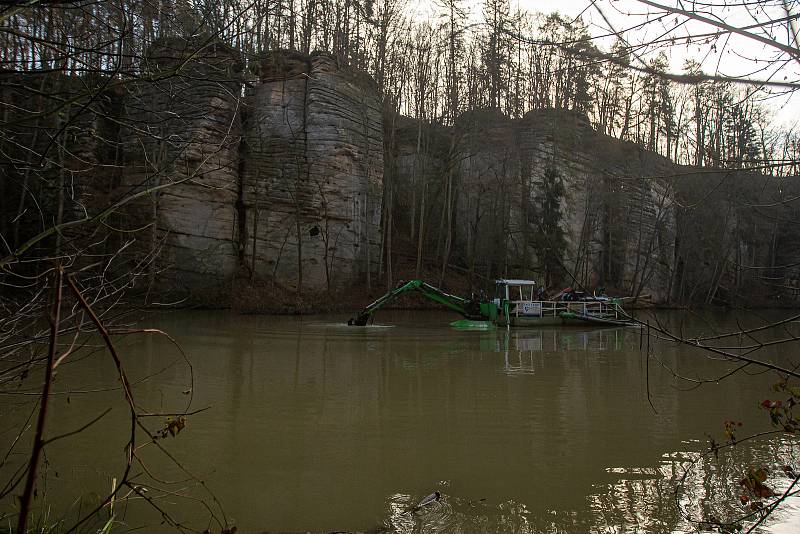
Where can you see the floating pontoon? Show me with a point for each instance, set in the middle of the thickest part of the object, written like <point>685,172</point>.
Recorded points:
<point>516,303</point>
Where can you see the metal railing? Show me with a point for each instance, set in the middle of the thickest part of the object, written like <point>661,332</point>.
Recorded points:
<point>554,308</point>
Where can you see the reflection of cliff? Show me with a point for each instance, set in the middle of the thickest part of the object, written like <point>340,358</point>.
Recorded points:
<point>706,485</point>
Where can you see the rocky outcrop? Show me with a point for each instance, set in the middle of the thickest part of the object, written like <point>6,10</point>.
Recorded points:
<point>222,183</point>
<point>547,197</point>
<point>736,239</point>
<point>312,174</point>
<point>278,181</point>
<point>274,181</point>
<point>610,211</point>
<point>181,145</point>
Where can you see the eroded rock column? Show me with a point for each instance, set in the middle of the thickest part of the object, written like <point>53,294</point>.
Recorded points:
<point>182,144</point>
<point>312,174</point>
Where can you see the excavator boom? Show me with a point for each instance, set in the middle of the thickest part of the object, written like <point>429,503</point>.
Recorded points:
<point>466,307</point>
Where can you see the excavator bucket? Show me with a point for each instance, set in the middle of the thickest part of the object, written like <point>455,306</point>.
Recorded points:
<point>358,320</point>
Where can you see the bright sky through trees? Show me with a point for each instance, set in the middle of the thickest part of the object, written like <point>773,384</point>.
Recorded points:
<point>649,31</point>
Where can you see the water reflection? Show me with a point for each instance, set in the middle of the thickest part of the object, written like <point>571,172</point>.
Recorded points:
<point>555,339</point>
<point>316,426</point>
<point>455,514</point>
<point>677,495</point>
<point>689,488</point>
<point>523,348</point>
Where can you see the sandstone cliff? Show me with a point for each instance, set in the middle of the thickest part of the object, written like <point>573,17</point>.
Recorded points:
<point>237,182</point>
<point>278,183</point>
<point>273,182</point>
<point>547,197</point>
<point>312,173</point>
<point>181,141</point>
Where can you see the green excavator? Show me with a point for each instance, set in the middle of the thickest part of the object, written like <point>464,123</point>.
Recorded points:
<point>471,309</point>
<point>517,303</point>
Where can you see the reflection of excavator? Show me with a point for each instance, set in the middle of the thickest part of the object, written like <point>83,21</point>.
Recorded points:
<point>469,308</point>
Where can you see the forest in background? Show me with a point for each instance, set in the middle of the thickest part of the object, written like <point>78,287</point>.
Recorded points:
<point>511,60</point>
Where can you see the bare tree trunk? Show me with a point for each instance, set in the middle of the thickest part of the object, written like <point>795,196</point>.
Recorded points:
<point>639,236</point>
<point>420,232</point>
<point>299,237</point>
<point>415,176</point>
<point>159,166</point>
<point>389,230</point>
<point>366,239</point>
<point>60,195</point>
<point>449,211</point>
<point>39,441</point>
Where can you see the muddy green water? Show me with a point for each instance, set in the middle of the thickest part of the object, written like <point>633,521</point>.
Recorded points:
<point>316,426</point>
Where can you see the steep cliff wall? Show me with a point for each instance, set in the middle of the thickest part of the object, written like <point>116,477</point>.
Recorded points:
<point>737,238</point>
<point>587,207</point>
<point>280,183</point>
<point>181,141</point>
<point>312,173</point>
<point>547,197</point>
<point>223,183</point>
<point>277,183</point>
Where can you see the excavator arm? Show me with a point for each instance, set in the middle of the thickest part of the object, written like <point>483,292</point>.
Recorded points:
<point>459,305</point>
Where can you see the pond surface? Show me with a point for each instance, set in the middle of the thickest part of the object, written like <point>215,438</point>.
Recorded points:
<point>316,426</point>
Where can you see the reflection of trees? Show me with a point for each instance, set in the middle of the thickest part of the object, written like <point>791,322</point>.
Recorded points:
<point>639,500</point>
<point>686,487</point>
<point>749,349</point>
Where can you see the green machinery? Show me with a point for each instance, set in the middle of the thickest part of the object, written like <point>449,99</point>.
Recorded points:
<point>471,309</point>
<point>517,303</point>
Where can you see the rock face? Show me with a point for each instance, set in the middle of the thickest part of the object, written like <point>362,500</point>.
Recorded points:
<point>182,145</point>
<point>582,209</point>
<point>312,174</point>
<point>737,239</point>
<point>279,183</point>
<point>546,197</point>
<point>226,186</point>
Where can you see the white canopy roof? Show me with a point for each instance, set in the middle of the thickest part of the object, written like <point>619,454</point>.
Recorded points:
<point>513,282</point>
